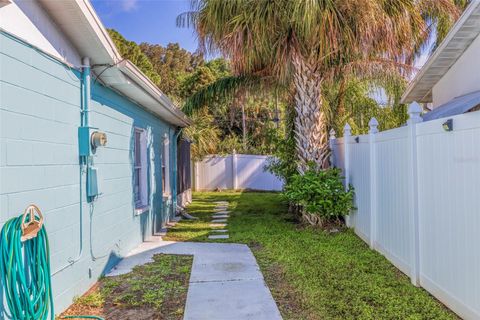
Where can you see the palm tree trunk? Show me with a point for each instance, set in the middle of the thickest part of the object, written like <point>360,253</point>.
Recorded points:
<point>310,121</point>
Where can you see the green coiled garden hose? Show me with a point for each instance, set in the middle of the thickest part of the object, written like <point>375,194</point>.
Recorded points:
<point>25,274</point>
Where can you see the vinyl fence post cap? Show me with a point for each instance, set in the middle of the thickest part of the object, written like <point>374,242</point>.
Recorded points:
<point>347,130</point>
<point>332,134</point>
<point>414,111</point>
<point>373,124</point>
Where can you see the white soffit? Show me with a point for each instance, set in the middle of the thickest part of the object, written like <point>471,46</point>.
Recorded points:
<point>80,23</point>
<point>462,34</point>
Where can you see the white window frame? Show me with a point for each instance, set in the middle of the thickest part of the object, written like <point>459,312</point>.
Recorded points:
<point>140,170</point>
<point>166,164</point>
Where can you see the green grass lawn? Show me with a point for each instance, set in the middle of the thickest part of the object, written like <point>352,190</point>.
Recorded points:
<point>312,274</point>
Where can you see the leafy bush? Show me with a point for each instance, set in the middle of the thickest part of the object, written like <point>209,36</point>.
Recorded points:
<point>320,194</point>
<point>283,164</point>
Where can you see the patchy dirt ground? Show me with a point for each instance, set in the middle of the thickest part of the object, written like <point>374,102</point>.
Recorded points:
<point>154,291</point>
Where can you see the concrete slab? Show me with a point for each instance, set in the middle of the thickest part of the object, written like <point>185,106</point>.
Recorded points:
<point>219,220</point>
<point>218,236</point>
<point>230,300</point>
<point>221,202</point>
<point>218,230</point>
<point>229,268</point>
<point>218,225</point>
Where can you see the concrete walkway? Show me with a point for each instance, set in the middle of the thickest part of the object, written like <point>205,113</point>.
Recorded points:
<point>225,284</point>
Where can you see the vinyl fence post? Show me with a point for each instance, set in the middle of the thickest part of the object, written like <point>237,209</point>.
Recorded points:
<point>196,175</point>
<point>332,146</point>
<point>373,130</point>
<point>414,112</point>
<point>347,133</point>
<point>234,170</point>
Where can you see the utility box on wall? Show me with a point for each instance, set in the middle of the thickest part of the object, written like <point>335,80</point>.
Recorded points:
<point>92,182</point>
<point>84,146</point>
<point>89,139</point>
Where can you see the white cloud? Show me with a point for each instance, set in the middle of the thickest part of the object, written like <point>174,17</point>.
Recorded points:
<point>129,5</point>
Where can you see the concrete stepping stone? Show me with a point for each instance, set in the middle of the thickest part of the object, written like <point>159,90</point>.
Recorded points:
<point>220,208</point>
<point>221,216</point>
<point>221,211</point>
<point>220,202</point>
<point>218,225</point>
<point>219,220</point>
<point>218,236</point>
<point>219,230</point>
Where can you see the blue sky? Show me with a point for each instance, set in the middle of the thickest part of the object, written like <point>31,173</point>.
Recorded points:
<point>150,21</point>
<point>153,21</point>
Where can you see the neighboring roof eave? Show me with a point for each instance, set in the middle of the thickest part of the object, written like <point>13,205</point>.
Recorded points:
<point>462,34</point>
<point>80,23</point>
<point>454,107</point>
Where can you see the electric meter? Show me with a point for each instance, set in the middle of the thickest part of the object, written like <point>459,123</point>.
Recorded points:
<point>98,139</point>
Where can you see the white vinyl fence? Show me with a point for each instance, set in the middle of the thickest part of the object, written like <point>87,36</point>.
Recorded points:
<point>418,197</point>
<point>236,171</point>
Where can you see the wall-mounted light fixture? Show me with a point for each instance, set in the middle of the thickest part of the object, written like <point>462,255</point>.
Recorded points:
<point>357,139</point>
<point>448,125</point>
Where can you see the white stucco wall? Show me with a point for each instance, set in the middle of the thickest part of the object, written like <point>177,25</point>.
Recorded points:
<point>27,20</point>
<point>462,78</point>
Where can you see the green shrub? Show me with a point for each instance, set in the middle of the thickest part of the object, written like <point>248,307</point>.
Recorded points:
<point>320,194</point>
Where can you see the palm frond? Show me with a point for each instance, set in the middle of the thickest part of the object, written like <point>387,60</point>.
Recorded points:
<point>187,19</point>
<point>221,90</point>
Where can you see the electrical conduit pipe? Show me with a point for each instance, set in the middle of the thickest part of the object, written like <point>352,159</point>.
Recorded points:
<point>85,109</point>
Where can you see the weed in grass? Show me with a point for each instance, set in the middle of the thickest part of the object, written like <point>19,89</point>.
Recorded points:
<point>156,290</point>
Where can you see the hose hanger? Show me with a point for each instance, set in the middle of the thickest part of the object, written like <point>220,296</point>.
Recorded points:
<point>25,277</point>
<point>32,222</point>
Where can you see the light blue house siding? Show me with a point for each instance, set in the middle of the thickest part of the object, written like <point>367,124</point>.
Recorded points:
<point>40,103</point>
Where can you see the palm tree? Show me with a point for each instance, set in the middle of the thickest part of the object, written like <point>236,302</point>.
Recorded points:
<point>305,44</point>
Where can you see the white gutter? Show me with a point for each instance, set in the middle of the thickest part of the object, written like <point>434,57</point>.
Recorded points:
<point>132,71</point>
<point>99,29</point>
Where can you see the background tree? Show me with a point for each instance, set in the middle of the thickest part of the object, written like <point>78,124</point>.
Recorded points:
<point>205,136</point>
<point>175,64</point>
<point>131,51</point>
<point>218,124</point>
<point>307,44</point>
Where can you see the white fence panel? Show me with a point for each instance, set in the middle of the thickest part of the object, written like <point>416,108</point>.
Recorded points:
<point>338,153</point>
<point>359,177</point>
<point>393,227</point>
<point>239,171</point>
<point>449,205</point>
<point>214,172</point>
<point>418,186</point>
<point>251,174</point>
